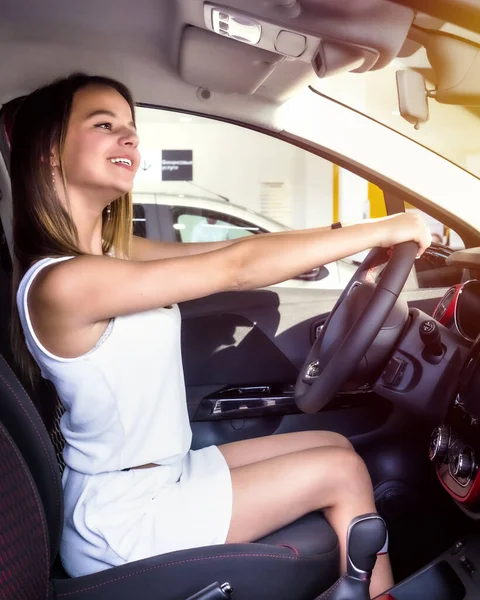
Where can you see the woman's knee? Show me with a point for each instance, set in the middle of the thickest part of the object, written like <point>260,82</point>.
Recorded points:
<point>335,474</point>
<point>350,469</point>
<point>330,438</point>
<point>346,469</point>
<point>341,441</point>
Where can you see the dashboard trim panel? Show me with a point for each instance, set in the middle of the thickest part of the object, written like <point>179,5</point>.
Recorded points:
<point>448,316</point>
<point>472,488</point>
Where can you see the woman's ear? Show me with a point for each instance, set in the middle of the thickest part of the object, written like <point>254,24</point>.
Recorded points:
<point>54,162</point>
<point>52,159</point>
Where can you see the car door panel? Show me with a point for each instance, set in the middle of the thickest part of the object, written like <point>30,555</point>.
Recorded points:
<point>247,347</point>
<point>258,339</point>
<point>284,316</point>
<point>357,419</point>
<point>225,335</point>
<point>230,348</point>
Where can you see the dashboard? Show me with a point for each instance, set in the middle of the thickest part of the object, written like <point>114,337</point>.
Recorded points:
<point>460,308</point>
<point>455,443</point>
<point>445,311</point>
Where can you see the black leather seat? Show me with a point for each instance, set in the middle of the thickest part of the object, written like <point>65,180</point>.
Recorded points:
<point>295,563</point>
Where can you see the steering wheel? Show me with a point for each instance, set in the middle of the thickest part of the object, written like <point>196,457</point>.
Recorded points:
<point>324,373</point>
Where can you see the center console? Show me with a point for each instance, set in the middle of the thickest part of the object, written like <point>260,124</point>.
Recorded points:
<point>455,451</point>
<point>454,575</point>
<point>455,445</point>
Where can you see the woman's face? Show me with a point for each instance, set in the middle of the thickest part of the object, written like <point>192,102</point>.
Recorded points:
<point>100,153</point>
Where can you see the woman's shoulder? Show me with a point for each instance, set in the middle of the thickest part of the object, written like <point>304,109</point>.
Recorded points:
<point>39,265</point>
<point>35,274</point>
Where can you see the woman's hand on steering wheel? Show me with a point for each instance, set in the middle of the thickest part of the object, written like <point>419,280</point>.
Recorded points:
<point>402,227</point>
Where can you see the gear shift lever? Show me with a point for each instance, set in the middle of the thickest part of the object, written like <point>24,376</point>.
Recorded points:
<point>366,537</point>
<point>432,341</point>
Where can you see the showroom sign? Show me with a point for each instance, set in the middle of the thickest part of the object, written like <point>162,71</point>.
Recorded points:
<point>177,165</point>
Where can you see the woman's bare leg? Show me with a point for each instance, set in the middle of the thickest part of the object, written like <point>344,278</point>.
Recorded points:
<point>245,452</point>
<point>285,484</point>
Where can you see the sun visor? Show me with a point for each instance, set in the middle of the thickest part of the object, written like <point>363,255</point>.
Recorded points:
<point>456,64</point>
<point>224,65</point>
<point>235,47</point>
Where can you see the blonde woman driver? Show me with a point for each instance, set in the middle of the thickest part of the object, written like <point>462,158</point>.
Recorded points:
<point>104,327</point>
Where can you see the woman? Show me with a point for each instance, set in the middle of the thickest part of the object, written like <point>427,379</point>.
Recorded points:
<point>99,314</point>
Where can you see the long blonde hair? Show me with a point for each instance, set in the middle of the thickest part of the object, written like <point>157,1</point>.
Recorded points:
<point>42,227</point>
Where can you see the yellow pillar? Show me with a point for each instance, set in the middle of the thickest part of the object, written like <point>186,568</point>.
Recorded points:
<point>377,201</point>
<point>336,194</point>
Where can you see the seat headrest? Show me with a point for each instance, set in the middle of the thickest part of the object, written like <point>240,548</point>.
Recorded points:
<point>7,118</point>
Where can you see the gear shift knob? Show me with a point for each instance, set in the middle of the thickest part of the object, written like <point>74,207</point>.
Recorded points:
<point>431,338</point>
<point>366,537</point>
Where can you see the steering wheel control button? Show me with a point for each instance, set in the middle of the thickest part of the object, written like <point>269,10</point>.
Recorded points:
<point>312,371</point>
<point>394,372</point>
<point>439,444</point>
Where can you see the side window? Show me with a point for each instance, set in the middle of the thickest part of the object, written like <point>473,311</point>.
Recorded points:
<point>197,225</point>
<point>220,181</point>
<point>139,221</point>
<point>431,269</point>
<point>441,234</point>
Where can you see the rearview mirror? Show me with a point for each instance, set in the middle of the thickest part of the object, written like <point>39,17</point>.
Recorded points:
<point>412,97</point>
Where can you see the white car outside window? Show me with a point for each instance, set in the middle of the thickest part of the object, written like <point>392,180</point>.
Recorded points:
<point>199,219</point>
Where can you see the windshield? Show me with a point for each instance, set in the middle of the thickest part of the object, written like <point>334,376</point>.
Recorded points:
<point>451,131</point>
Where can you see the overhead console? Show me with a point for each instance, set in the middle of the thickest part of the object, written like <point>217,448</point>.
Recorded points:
<point>235,45</point>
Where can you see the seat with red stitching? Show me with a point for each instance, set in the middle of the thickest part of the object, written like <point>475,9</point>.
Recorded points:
<point>298,561</point>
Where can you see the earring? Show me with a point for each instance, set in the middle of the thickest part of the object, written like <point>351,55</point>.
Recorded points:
<point>109,212</point>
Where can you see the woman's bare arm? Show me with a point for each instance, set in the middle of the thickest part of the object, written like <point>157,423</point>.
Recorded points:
<point>146,249</point>
<point>88,289</point>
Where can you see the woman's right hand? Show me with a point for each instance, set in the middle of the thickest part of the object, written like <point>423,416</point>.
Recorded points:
<point>402,227</point>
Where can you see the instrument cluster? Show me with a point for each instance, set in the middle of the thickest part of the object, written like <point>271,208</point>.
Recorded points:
<point>460,309</point>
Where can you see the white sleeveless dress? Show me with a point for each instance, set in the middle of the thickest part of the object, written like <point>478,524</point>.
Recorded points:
<point>125,406</point>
